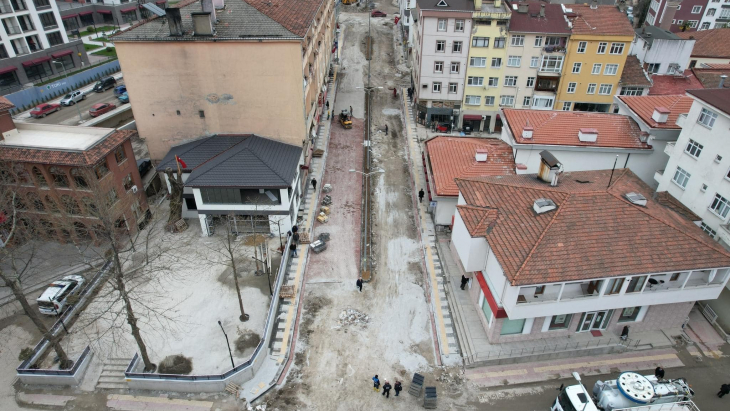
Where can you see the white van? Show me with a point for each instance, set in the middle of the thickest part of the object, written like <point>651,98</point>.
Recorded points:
<point>53,301</point>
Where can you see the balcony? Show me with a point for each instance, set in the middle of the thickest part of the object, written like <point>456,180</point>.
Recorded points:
<point>588,289</point>
<point>669,149</point>
<point>681,120</point>
<point>547,84</point>
<point>554,49</point>
<point>542,294</point>
<point>659,176</point>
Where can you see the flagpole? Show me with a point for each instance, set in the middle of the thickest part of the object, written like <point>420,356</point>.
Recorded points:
<point>179,171</point>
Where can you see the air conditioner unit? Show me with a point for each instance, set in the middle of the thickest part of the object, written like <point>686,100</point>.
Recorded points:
<point>134,189</point>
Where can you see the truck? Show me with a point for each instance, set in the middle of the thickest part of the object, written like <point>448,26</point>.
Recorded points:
<point>630,391</point>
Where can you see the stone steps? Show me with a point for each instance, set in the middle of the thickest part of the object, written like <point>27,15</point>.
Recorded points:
<point>112,374</point>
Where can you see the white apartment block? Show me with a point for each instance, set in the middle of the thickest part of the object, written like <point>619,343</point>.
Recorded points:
<point>716,16</point>
<point>660,51</point>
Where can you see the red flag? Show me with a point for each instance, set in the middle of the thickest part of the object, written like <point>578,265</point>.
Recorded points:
<point>182,163</point>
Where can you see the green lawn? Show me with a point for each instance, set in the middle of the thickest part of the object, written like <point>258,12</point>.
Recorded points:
<point>104,52</point>
<point>90,47</point>
<point>101,40</point>
<point>98,29</point>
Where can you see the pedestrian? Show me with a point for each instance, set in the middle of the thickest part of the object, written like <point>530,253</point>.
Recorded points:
<point>398,387</point>
<point>724,389</point>
<point>295,238</point>
<point>376,383</point>
<point>358,283</point>
<point>386,389</point>
<point>314,184</point>
<point>288,234</point>
<point>464,281</point>
<point>625,333</point>
<point>386,129</point>
<point>350,110</point>
<point>293,249</point>
<point>328,114</point>
<point>294,229</point>
<point>420,196</point>
<point>328,105</point>
<point>659,373</point>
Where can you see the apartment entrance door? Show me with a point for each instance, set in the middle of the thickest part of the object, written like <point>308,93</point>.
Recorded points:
<point>594,320</point>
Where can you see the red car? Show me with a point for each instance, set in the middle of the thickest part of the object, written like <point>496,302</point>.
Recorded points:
<point>44,109</point>
<point>378,13</point>
<point>99,109</point>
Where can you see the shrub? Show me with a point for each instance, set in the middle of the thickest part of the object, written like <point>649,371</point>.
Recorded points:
<point>109,49</point>
<point>175,364</point>
<point>25,354</point>
<point>90,29</point>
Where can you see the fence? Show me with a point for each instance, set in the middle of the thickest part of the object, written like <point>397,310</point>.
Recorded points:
<point>33,96</point>
<point>216,382</point>
<point>711,316</point>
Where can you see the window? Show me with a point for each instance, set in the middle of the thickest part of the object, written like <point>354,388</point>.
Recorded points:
<point>440,46</point>
<point>653,68</point>
<point>478,62</point>
<point>499,42</point>
<point>514,61</point>
<point>720,206</point>
<point>530,82</point>
<point>120,155</point>
<point>518,40</point>
<point>453,88</point>
<point>560,322</point>
<point>480,42</point>
<point>112,197</point>
<point>493,82</point>
<point>571,87</point>
<point>692,23</point>
<point>718,159</point>
<point>201,113</point>
<point>611,69</point>
<point>706,228</point>
<point>52,206</point>
<point>474,81</point>
<point>47,20</point>
<point>693,148</point>
<point>591,88</point>
<point>486,309</point>
<point>473,100</point>
<point>617,48</point>
<point>457,47</point>
<point>545,103</point>
<point>510,81</point>
<point>679,22</point>
<point>576,67</point>
<point>679,8</point>
<point>602,48</point>
<point>101,169</point>
<point>39,177</point>
<point>707,118</point>
<point>526,101</point>
<point>629,314</point>
<point>459,26</point>
<point>455,67</point>
<point>705,26</point>
<point>703,188</point>
<point>534,62</point>
<point>710,12</point>
<point>54,38</point>
<point>127,182</point>
<point>60,179</point>
<point>605,89</point>
<point>538,41</point>
<point>696,9</point>
<point>636,284</point>
<point>596,68</point>
<point>552,64</point>
<point>507,101</point>
<point>614,286</point>
<point>582,46</point>
<point>632,91</point>
<point>566,105</point>
<point>436,87</point>
<point>489,100</point>
<point>79,179</point>
<point>510,327</point>
<point>70,205</point>
<point>681,177</point>
<point>442,25</point>
<point>36,201</point>
<point>438,67</point>
<point>496,62</point>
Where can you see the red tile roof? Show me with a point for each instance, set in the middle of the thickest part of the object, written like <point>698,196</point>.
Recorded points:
<point>594,232</point>
<point>633,74</point>
<point>668,84</point>
<point>531,22</point>
<point>710,77</point>
<point>644,107</point>
<point>5,104</point>
<point>67,158</point>
<point>295,16</point>
<point>718,66</point>
<point>454,157</point>
<point>561,128</point>
<point>709,43</point>
<point>716,97</point>
<point>602,21</point>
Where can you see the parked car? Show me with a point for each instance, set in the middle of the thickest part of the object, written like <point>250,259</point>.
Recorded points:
<point>54,299</point>
<point>378,13</point>
<point>119,90</point>
<point>123,98</point>
<point>73,98</point>
<point>105,84</point>
<point>144,165</point>
<point>101,108</point>
<point>44,109</point>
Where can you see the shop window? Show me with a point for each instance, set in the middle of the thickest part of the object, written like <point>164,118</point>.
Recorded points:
<point>510,327</point>
<point>560,322</point>
<point>629,314</point>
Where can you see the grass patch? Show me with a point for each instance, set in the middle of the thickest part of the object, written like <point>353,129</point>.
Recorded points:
<point>98,29</point>
<point>89,47</point>
<point>175,364</point>
<point>108,52</point>
<point>101,40</point>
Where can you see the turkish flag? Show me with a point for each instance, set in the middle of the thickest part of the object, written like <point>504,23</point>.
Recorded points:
<point>182,163</point>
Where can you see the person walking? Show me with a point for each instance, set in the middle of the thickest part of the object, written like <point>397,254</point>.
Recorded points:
<point>328,114</point>
<point>659,373</point>
<point>358,283</point>
<point>398,387</point>
<point>314,184</point>
<point>420,196</point>
<point>328,105</point>
<point>386,129</point>
<point>293,249</point>
<point>386,389</point>
<point>464,281</point>
<point>294,229</point>
<point>295,238</point>
<point>376,383</point>
<point>724,389</point>
<point>350,110</point>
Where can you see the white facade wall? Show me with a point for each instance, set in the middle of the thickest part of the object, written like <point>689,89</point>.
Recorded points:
<point>524,71</point>
<point>11,18</point>
<point>471,251</point>
<point>663,52</point>
<point>445,209</point>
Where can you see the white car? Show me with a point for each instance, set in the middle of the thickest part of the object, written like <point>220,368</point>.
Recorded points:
<point>54,300</point>
<point>73,98</point>
<point>629,11</point>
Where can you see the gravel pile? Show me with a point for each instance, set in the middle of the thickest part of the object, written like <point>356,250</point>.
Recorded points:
<point>351,316</point>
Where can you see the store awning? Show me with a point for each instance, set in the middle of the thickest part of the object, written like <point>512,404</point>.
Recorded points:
<point>70,16</point>
<point>475,117</point>
<point>35,62</point>
<point>128,10</point>
<point>8,69</point>
<point>86,13</point>
<point>161,2</point>
<point>62,53</point>
<point>104,11</point>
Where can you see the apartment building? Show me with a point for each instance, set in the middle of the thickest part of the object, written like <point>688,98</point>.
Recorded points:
<point>229,68</point>
<point>600,41</point>
<point>711,47</point>
<point>551,258</point>
<point>686,15</point>
<point>441,47</point>
<point>487,62</point>
<point>80,14</point>
<point>407,9</point>
<point>716,16</point>
<point>660,51</point>
<point>34,45</point>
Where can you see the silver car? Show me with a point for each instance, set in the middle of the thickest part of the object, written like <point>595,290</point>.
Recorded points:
<point>73,98</point>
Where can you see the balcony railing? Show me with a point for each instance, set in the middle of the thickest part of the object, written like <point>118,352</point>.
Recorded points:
<point>554,49</point>
<point>681,119</point>
<point>659,176</point>
<point>669,149</point>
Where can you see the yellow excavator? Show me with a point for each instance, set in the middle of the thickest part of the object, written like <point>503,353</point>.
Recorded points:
<point>345,119</point>
<point>346,2</point>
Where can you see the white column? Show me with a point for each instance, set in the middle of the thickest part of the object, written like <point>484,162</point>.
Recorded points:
<point>604,285</point>
<point>203,225</point>
<point>642,313</point>
<point>546,324</point>
<point>528,325</point>
<point>687,279</point>
<point>560,294</point>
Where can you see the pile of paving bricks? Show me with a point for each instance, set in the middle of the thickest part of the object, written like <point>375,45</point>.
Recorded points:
<point>351,316</point>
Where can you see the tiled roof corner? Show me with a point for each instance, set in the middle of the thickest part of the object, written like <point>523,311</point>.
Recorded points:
<point>709,43</point>
<point>602,21</point>
<point>67,158</point>
<point>633,74</point>
<point>644,107</point>
<point>669,84</point>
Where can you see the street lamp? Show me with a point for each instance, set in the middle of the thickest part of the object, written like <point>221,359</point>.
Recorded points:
<point>588,396</point>
<point>66,75</point>
<point>228,344</point>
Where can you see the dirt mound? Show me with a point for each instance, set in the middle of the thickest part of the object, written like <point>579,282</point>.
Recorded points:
<point>247,340</point>
<point>175,364</point>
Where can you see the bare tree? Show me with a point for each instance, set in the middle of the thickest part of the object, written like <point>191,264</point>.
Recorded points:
<point>176,194</point>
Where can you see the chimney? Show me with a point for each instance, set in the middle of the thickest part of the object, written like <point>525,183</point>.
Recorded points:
<point>660,115</point>
<point>527,131</point>
<point>644,137</point>
<point>219,4</point>
<point>722,81</point>
<point>497,3</point>
<point>202,24</point>
<point>542,10</point>
<point>550,168</point>
<point>478,5</point>
<point>589,135</point>
<point>594,4</point>
<point>207,6</point>
<point>481,155</point>
<point>174,21</point>
<point>522,8</point>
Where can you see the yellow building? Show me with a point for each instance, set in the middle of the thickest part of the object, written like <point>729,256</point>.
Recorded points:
<point>485,68</point>
<point>599,44</point>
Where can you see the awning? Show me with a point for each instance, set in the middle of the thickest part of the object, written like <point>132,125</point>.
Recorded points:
<point>86,13</point>
<point>128,10</point>
<point>70,16</point>
<point>474,117</point>
<point>62,53</point>
<point>35,62</point>
<point>104,11</point>
<point>8,69</point>
<point>161,1</point>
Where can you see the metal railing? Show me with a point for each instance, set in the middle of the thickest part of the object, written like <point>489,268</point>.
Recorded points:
<point>552,348</point>
<point>69,372</point>
<point>711,317</point>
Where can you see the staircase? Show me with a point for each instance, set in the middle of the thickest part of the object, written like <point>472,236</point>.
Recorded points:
<point>112,374</point>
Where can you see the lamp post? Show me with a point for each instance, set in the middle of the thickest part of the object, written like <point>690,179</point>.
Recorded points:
<point>228,344</point>
<point>367,232</point>
<point>65,74</point>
